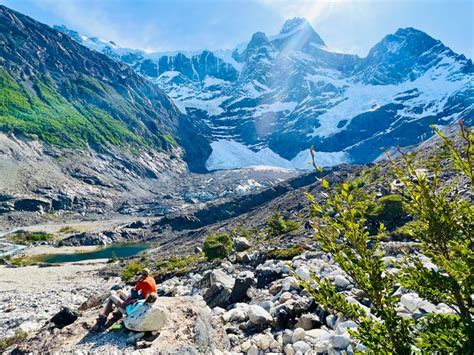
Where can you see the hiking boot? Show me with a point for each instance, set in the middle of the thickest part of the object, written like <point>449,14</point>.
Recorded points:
<point>100,325</point>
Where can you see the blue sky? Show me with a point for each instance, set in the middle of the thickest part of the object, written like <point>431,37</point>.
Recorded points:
<point>351,26</point>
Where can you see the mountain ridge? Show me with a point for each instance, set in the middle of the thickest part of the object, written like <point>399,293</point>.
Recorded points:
<point>287,98</point>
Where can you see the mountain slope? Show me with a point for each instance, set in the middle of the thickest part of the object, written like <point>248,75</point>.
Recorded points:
<point>67,95</point>
<point>278,95</point>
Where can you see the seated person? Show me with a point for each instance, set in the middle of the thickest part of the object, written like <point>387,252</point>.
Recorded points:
<point>144,287</point>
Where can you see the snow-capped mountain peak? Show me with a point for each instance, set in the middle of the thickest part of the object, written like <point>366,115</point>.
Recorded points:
<point>273,97</point>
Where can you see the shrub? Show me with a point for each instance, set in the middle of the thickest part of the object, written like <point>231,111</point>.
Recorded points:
<point>27,238</point>
<point>5,343</point>
<point>132,268</point>
<point>409,231</point>
<point>178,264</point>
<point>445,237</point>
<point>217,246</point>
<point>287,254</point>
<point>388,210</point>
<point>277,225</point>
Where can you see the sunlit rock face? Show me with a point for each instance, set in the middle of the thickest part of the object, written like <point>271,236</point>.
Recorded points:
<point>276,96</point>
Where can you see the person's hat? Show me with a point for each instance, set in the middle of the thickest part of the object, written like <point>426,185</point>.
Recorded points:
<point>146,271</point>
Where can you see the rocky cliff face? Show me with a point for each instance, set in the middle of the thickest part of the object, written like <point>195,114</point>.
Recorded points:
<point>272,98</point>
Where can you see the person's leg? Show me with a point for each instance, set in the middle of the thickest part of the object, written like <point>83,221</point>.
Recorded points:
<point>108,307</point>
<point>123,295</point>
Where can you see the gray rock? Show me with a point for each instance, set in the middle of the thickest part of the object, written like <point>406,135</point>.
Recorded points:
<point>259,316</point>
<point>253,350</point>
<point>298,334</point>
<point>340,341</point>
<point>243,282</point>
<point>241,244</point>
<point>341,282</point>
<point>220,287</point>
<point>301,347</point>
<point>309,321</point>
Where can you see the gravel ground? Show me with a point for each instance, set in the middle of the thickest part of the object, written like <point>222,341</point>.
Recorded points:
<point>31,295</point>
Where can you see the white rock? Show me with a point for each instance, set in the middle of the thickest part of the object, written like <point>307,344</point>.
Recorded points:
<point>318,334</point>
<point>288,350</point>
<point>290,282</point>
<point>29,326</point>
<point>298,334</point>
<point>235,315</point>
<point>341,282</point>
<point>410,301</point>
<point>218,311</point>
<point>149,317</point>
<point>264,341</point>
<point>285,296</point>
<point>342,327</point>
<point>301,347</point>
<point>253,350</point>
<point>304,273</point>
<point>322,346</point>
<point>259,316</point>
<point>245,346</point>
<point>341,341</point>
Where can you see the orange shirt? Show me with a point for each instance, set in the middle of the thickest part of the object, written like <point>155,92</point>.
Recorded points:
<point>146,286</point>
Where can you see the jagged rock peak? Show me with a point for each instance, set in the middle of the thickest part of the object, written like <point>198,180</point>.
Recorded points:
<point>300,32</point>
<point>293,24</point>
<point>258,39</point>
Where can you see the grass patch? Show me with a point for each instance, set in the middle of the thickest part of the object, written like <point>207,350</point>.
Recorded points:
<point>287,254</point>
<point>179,264</point>
<point>28,238</point>
<point>278,225</point>
<point>5,343</point>
<point>68,230</point>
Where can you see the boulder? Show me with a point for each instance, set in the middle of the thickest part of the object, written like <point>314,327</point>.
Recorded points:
<point>411,301</point>
<point>243,282</point>
<point>258,316</point>
<point>189,327</point>
<point>342,327</point>
<point>241,244</point>
<point>64,317</point>
<point>148,318</point>
<point>220,288</point>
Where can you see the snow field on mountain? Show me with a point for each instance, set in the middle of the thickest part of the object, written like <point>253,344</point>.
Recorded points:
<point>228,154</point>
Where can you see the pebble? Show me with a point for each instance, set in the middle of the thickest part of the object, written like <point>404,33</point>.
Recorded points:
<point>301,347</point>
<point>341,341</point>
<point>298,334</point>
